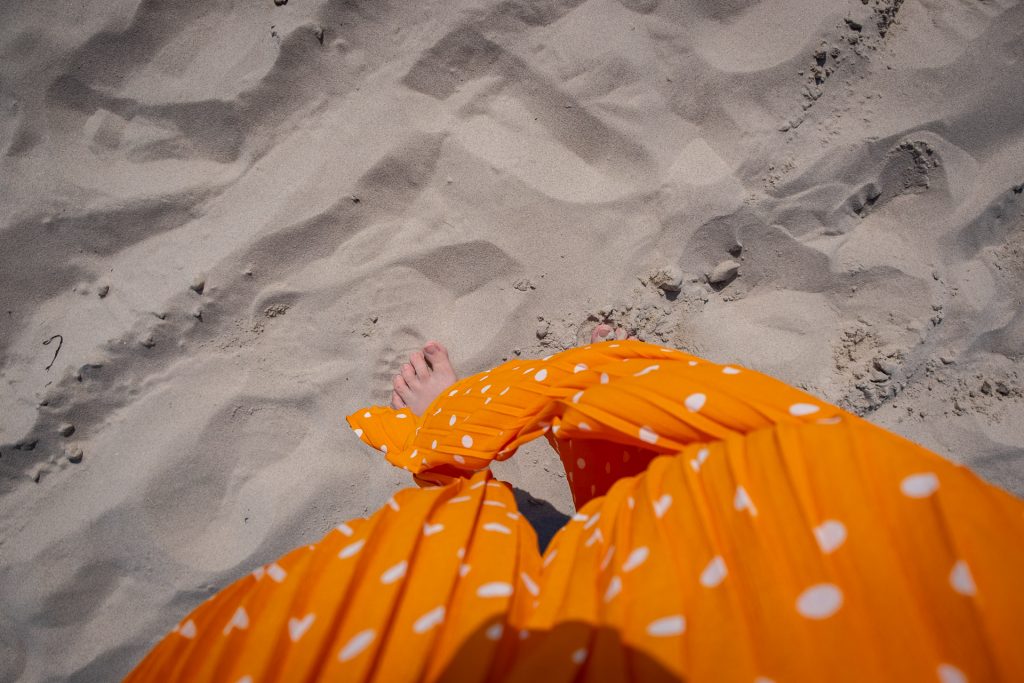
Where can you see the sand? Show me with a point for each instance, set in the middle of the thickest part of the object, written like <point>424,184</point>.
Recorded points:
<point>240,217</point>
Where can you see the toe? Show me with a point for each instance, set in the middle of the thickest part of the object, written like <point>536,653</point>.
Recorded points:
<point>409,374</point>
<point>396,401</point>
<point>437,355</point>
<point>620,333</point>
<point>419,364</point>
<point>599,333</point>
<point>402,389</point>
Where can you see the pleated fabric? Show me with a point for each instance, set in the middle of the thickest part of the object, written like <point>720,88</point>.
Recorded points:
<point>730,528</point>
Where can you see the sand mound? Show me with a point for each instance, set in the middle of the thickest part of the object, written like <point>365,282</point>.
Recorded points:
<point>232,220</point>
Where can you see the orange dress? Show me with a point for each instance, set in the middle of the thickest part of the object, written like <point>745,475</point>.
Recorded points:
<point>730,528</point>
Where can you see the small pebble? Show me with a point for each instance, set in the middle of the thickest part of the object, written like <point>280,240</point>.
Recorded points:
<point>279,3</point>
<point>75,455</point>
<point>148,341</point>
<point>542,329</point>
<point>197,313</point>
<point>66,429</point>
<point>724,272</point>
<point>103,291</point>
<point>198,284</point>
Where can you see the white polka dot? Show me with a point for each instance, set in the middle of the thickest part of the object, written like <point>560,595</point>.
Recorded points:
<point>485,389</point>
<point>494,503</point>
<point>541,375</point>
<point>830,534</point>
<point>394,573</point>
<point>729,370</point>
<point>459,459</point>
<point>393,504</point>
<point>649,368</point>
<point>630,502</point>
<point>820,601</point>
<point>580,367</point>
<point>298,627</point>
<point>504,391</point>
<point>580,517</point>
<point>691,363</point>
<point>487,400</point>
<point>662,505</point>
<point>579,656</point>
<point>607,557</point>
<point>451,421</point>
<point>429,620</point>
<point>647,434</point>
<point>467,441</point>
<point>742,501</point>
<point>344,529</point>
<point>463,569</point>
<point>414,453</point>
<point>496,589</point>
<point>950,674</point>
<point>188,630</point>
<point>453,392</point>
<point>384,448</point>
<point>276,572</point>
<point>799,409</point>
<point>367,414</point>
<point>577,396</point>
<point>667,626</point>
<point>459,499</point>
<point>581,463</point>
<point>401,416</point>
<point>357,644</point>
<point>239,620</point>
<point>604,378</point>
<point>695,402</point>
<point>351,549</point>
<point>919,485</point>
<point>584,426</point>
<point>433,444</point>
<point>499,528</point>
<point>359,433</point>
<point>494,631</point>
<point>431,529</point>
<point>714,573</point>
<point>614,588</point>
<point>961,579</point>
<point>530,584</point>
<point>635,559</point>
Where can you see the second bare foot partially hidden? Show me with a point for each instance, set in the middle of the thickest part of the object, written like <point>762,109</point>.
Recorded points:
<point>604,332</point>
<point>423,378</point>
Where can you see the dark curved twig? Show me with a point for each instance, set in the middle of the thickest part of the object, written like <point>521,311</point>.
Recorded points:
<point>59,345</point>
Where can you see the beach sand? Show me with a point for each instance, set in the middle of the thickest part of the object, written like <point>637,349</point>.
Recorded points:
<point>240,218</point>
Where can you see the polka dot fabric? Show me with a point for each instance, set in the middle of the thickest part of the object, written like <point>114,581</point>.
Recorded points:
<point>730,528</point>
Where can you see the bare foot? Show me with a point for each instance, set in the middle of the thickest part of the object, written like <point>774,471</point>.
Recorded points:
<point>423,378</point>
<point>604,332</point>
